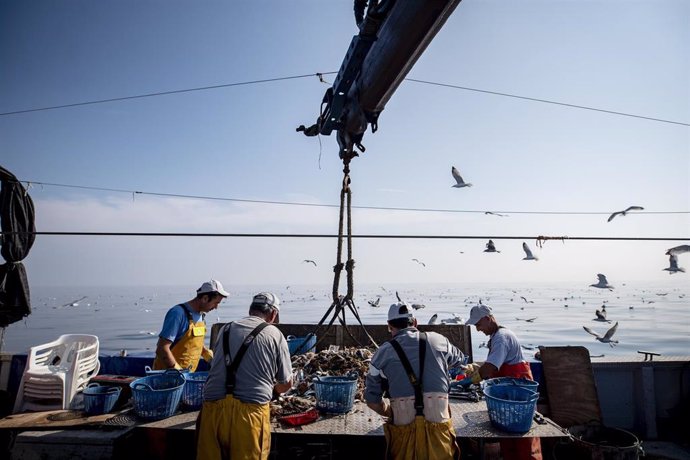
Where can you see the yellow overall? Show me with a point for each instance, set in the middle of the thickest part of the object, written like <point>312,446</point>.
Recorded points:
<point>187,350</point>
<point>231,429</point>
<point>421,440</point>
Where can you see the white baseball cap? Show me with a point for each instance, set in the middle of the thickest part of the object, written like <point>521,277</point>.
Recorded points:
<point>400,310</point>
<point>267,298</point>
<point>477,313</point>
<point>212,286</point>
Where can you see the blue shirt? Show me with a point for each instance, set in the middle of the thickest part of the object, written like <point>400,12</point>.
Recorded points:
<point>176,324</point>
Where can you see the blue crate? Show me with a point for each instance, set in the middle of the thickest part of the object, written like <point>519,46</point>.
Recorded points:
<point>511,407</point>
<point>157,396</point>
<point>297,345</point>
<point>193,393</point>
<point>335,394</point>
<point>100,399</point>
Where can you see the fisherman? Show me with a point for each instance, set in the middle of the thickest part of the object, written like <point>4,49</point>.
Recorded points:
<point>251,364</point>
<point>181,341</point>
<point>413,368</point>
<point>505,359</point>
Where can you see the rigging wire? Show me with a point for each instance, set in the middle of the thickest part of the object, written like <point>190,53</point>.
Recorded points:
<point>323,205</point>
<point>363,236</point>
<point>320,75</point>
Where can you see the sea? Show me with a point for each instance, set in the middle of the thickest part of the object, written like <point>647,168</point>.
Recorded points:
<point>651,316</point>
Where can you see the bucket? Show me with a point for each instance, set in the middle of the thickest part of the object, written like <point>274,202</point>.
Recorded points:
<point>335,394</point>
<point>99,399</point>
<point>600,443</point>
<point>300,345</point>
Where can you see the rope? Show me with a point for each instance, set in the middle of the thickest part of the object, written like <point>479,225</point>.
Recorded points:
<point>341,302</point>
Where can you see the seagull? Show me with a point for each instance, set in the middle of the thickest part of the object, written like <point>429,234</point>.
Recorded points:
<point>374,303</point>
<point>458,178</point>
<point>418,306</point>
<point>527,301</point>
<point>528,253</point>
<point>601,314</point>
<point>602,283</point>
<point>456,319</point>
<point>309,261</point>
<point>433,319</point>
<point>607,338</point>
<point>673,265</point>
<point>419,262</point>
<point>623,213</point>
<point>490,247</point>
<point>529,320</point>
<point>678,250</point>
<point>495,214</point>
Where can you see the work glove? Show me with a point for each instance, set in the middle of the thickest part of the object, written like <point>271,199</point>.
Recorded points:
<point>472,371</point>
<point>207,355</point>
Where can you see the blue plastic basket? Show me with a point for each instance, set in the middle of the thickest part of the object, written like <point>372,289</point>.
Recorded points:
<point>193,393</point>
<point>530,384</point>
<point>157,396</point>
<point>100,399</point>
<point>335,394</point>
<point>297,345</point>
<point>511,407</point>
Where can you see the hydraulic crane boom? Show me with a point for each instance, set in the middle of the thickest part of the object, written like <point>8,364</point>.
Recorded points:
<point>392,36</point>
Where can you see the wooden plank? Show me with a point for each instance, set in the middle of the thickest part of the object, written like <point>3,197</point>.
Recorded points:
<point>55,419</point>
<point>570,387</point>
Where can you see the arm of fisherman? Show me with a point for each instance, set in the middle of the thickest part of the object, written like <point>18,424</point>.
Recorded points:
<point>373,393</point>
<point>284,373</point>
<point>165,355</point>
<point>207,354</point>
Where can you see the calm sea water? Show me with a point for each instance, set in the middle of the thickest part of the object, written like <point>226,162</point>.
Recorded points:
<point>654,317</point>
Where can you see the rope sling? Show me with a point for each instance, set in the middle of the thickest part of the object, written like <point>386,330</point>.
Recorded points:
<point>342,303</point>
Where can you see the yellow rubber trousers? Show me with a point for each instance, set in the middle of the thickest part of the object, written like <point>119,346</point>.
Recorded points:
<point>231,429</point>
<point>421,440</point>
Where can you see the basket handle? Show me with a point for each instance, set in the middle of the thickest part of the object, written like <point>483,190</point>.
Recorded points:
<point>147,369</point>
<point>290,337</point>
<point>93,384</point>
<point>113,390</point>
<point>142,386</point>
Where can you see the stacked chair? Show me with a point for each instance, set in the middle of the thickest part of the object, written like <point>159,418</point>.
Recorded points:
<point>57,371</point>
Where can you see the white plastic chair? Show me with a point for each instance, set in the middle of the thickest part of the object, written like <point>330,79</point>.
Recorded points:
<point>57,371</point>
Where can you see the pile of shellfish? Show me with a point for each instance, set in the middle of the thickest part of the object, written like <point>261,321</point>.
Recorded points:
<point>306,367</point>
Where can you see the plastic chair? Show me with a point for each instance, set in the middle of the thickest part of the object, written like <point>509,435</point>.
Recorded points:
<point>55,372</point>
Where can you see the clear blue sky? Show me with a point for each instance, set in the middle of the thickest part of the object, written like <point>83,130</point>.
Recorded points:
<point>240,142</point>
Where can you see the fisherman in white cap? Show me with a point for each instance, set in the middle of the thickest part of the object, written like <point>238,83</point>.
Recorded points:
<point>413,369</point>
<point>505,359</point>
<point>181,341</point>
<point>251,364</point>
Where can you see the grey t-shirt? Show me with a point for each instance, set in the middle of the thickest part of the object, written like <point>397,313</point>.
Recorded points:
<point>266,362</point>
<point>504,348</point>
<point>440,355</point>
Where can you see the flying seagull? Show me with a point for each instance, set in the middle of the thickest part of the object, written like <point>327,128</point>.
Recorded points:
<point>623,213</point>
<point>678,250</point>
<point>528,253</point>
<point>419,262</point>
<point>374,303</point>
<point>529,320</point>
<point>309,262</point>
<point>526,301</point>
<point>673,265</point>
<point>602,283</point>
<point>490,247</point>
<point>418,306</point>
<point>607,338</point>
<point>495,214</point>
<point>458,178</point>
<point>433,319</point>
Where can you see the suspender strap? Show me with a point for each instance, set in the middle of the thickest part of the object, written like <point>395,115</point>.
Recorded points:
<point>190,318</point>
<point>231,365</point>
<point>416,382</point>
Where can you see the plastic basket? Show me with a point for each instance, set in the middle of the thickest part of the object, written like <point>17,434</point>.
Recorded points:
<point>157,396</point>
<point>99,399</point>
<point>335,394</point>
<point>193,393</point>
<point>511,407</point>
<point>529,384</point>
<point>297,345</point>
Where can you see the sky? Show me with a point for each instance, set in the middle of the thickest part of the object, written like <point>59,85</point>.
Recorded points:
<point>523,157</point>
